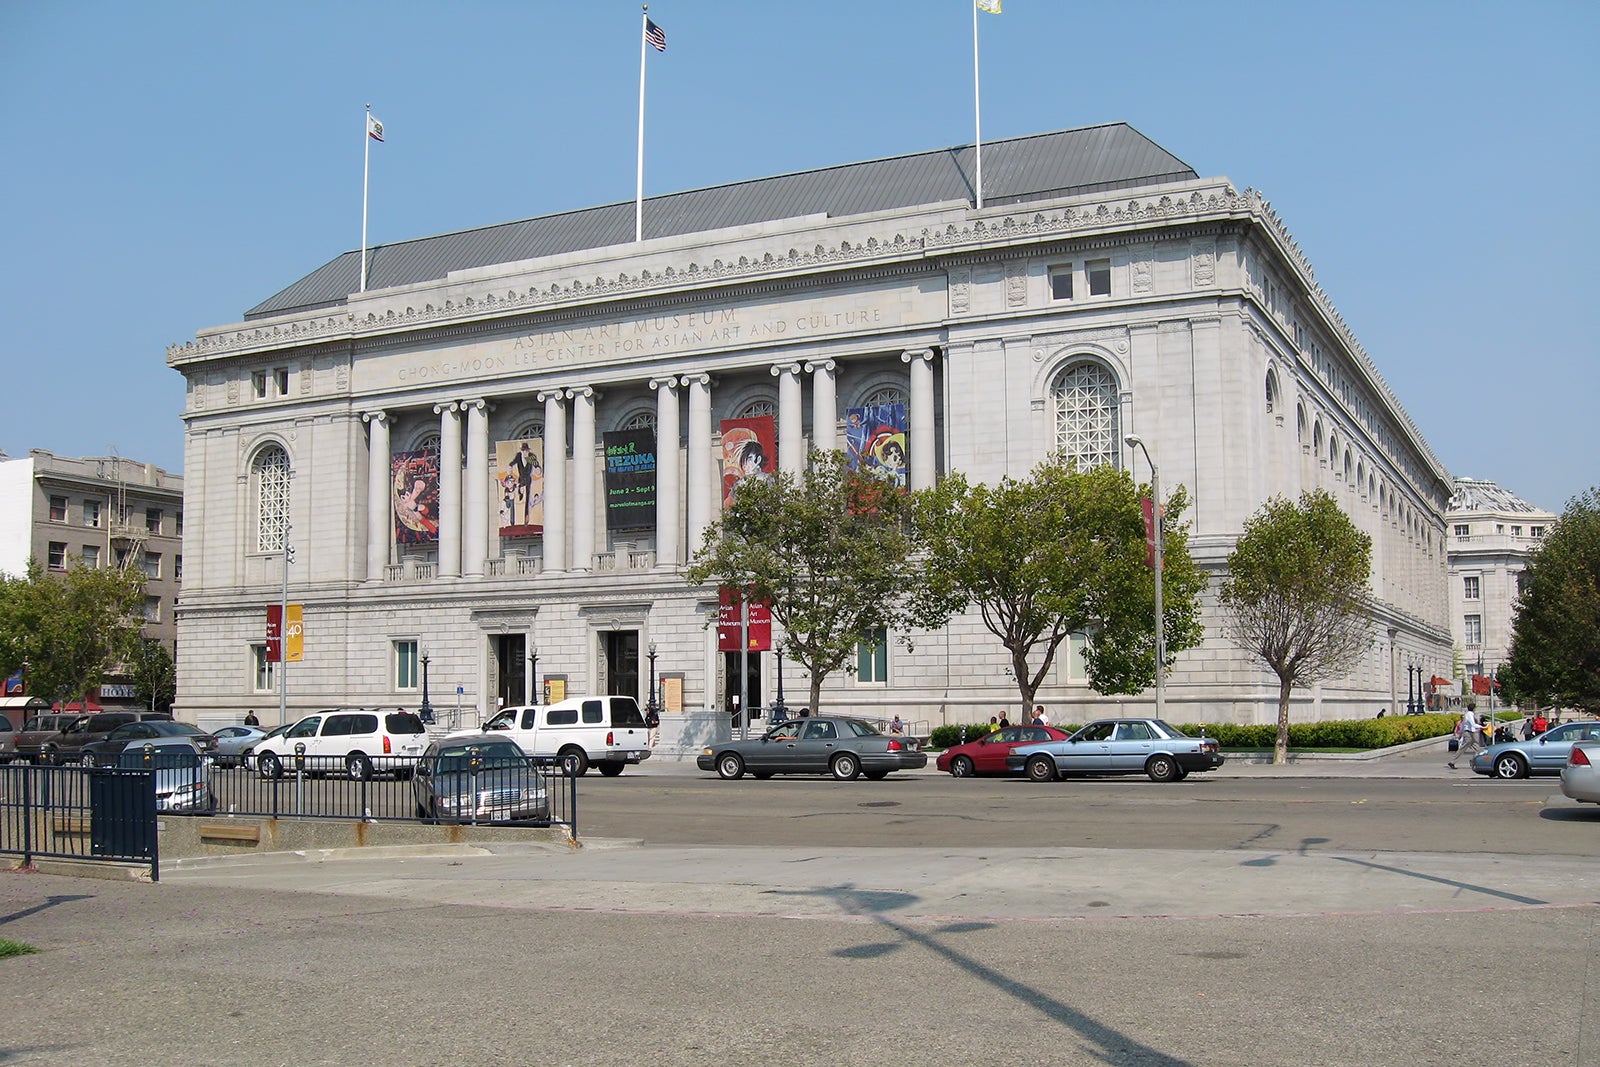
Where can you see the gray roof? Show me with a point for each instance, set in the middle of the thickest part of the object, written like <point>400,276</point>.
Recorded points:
<point>1017,170</point>
<point>1473,494</point>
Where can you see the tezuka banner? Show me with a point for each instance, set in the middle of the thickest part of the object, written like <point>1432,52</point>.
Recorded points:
<point>416,497</point>
<point>519,472</point>
<point>875,440</point>
<point>630,479</point>
<point>749,450</point>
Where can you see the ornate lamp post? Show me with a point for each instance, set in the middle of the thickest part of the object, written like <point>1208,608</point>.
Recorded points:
<point>780,710</point>
<point>533,673</point>
<point>653,708</point>
<point>427,708</point>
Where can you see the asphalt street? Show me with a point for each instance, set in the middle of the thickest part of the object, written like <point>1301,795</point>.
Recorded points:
<point>631,951</point>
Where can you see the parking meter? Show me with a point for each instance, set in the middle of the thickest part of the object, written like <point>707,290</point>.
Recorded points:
<point>149,753</point>
<point>474,760</point>
<point>299,756</point>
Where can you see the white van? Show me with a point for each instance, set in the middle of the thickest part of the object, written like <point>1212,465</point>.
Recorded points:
<point>608,732</point>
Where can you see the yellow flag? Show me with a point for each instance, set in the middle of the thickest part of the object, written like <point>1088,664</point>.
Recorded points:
<point>295,632</point>
<point>991,6</point>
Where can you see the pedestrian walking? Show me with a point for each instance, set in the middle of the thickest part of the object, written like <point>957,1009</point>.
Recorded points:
<point>1467,729</point>
<point>250,718</point>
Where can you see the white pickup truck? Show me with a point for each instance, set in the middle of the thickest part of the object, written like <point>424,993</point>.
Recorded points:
<point>605,732</point>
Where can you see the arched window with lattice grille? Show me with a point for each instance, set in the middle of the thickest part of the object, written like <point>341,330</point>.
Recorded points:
<point>269,474</point>
<point>1086,415</point>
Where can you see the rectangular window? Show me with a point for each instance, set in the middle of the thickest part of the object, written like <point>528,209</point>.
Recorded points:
<point>1463,530</point>
<point>58,509</point>
<point>1536,532</point>
<point>152,609</point>
<point>152,564</point>
<point>281,377</point>
<point>91,513</point>
<point>177,568</point>
<point>152,520</point>
<point>405,664</point>
<point>1470,587</point>
<point>1099,272</point>
<point>265,680</point>
<point>91,555</point>
<point>57,560</point>
<point>1516,531</point>
<point>1474,630</point>
<point>872,658</point>
<point>1061,282</point>
<point>178,520</point>
<point>258,384</point>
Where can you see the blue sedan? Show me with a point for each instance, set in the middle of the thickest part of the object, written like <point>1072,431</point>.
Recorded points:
<point>1119,746</point>
<point>1545,754</point>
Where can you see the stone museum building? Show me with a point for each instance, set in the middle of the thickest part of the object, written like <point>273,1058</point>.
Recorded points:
<point>491,466</point>
<point>1492,535</point>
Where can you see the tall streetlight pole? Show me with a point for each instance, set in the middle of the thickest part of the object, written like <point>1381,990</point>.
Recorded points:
<point>1158,524</point>
<point>533,671</point>
<point>427,708</point>
<point>652,707</point>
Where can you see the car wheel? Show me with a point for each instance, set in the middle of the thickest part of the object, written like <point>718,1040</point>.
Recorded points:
<point>611,767</point>
<point>85,759</point>
<point>845,767</point>
<point>268,766</point>
<point>1041,769</point>
<point>358,766</point>
<point>1510,765</point>
<point>575,760</point>
<point>1161,769</point>
<point>47,756</point>
<point>730,766</point>
<point>962,767</point>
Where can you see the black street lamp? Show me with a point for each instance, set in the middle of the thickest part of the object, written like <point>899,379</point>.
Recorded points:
<point>427,708</point>
<point>533,672</point>
<point>1411,700</point>
<point>652,708</point>
<point>780,710</point>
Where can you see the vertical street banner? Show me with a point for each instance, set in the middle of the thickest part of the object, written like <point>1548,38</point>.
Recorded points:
<point>749,450</point>
<point>519,476</point>
<point>875,441</point>
<point>729,623</point>
<point>630,479</point>
<point>416,497</point>
<point>1148,508</point>
<point>294,633</point>
<point>14,686</point>
<point>277,629</point>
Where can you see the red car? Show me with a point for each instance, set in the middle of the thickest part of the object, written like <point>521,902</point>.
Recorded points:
<point>987,755</point>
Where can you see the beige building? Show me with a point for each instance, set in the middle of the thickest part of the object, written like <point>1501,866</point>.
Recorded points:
<point>102,511</point>
<point>1492,534</point>
<point>497,459</point>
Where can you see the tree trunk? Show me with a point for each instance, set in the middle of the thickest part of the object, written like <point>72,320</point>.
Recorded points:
<point>1025,687</point>
<point>816,693</point>
<point>1280,745</point>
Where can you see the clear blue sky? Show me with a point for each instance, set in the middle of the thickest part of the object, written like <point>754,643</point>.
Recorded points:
<point>170,164</point>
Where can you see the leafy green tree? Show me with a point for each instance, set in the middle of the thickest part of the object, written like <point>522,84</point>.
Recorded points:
<point>1296,594</point>
<point>1060,552</point>
<point>831,552</point>
<point>70,630</point>
<point>155,676</point>
<point>1555,635</point>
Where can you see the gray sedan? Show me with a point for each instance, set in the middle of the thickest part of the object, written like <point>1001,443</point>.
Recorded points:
<point>233,742</point>
<point>840,746</point>
<point>1580,778</point>
<point>479,778</point>
<point>1545,754</point>
<point>1120,746</point>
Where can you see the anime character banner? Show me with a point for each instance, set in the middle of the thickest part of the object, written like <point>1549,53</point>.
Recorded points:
<point>519,480</point>
<point>630,479</point>
<point>749,450</point>
<point>875,439</point>
<point>416,497</point>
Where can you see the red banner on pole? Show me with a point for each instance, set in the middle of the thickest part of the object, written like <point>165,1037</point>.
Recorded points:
<point>728,623</point>
<point>274,633</point>
<point>1147,506</point>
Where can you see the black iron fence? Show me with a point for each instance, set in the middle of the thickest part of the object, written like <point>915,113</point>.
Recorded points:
<point>70,813</point>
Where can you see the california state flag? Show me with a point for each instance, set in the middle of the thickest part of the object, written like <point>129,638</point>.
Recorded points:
<point>374,128</point>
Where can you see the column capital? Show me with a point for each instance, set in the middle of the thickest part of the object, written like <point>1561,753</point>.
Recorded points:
<point>916,354</point>
<point>780,369</point>
<point>374,416</point>
<point>558,393</point>
<point>447,407</point>
<point>586,391</point>
<point>701,378</point>
<point>814,365</point>
<point>669,382</point>
<point>475,404</point>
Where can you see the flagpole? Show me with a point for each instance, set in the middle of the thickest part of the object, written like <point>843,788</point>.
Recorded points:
<point>366,165</point>
<point>638,198</point>
<point>977,111</point>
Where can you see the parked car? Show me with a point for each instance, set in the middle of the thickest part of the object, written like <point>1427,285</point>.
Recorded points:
<point>606,732</point>
<point>8,740</point>
<point>1120,746</point>
<point>1580,778</point>
<point>841,746</point>
<point>233,742</point>
<point>479,778</point>
<point>87,729</point>
<point>105,752</point>
<point>182,774</point>
<point>1545,754</point>
<point>358,741</point>
<point>36,739</point>
<point>987,755</point>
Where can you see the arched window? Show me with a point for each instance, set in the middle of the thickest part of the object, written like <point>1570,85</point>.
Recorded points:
<point>1272,391</point>
<point>1300,426</point>
<point>270,473</point>
<point>640,420</point>
<point>532,430</point>
<point>757,408</point>
<point>429,443</point>
<point>887,395</point>
<point>1084,397</point>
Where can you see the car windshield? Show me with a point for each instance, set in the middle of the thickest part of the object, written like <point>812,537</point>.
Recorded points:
<point>456,759</point>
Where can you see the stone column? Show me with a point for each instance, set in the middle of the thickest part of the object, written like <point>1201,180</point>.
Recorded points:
<point>791,439</point>
<point>923,439</point>
<point>824,405</point>
<point>583,473</point>
<point>669,512</point>
<point>555,480</point>
<point>699,475</point>
<point>380,514</point>
<point>449,489</point>
<point>475,494</point>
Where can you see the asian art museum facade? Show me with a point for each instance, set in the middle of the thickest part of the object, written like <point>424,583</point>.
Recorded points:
<point>509,444</point>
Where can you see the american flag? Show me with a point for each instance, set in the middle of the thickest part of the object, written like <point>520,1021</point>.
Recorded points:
<point>655,35</point>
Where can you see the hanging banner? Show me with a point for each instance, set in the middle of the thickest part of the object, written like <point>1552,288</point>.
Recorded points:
<point>416,497</point>
<point>294,630</point>
<point>630,479</point>
<point>14,686</point>
<point>1148,508</point>
<point>749,450</point>
<point>729,624</point>
<point>519,472</point>
<point>276,628</point>
<point>875,441</point>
